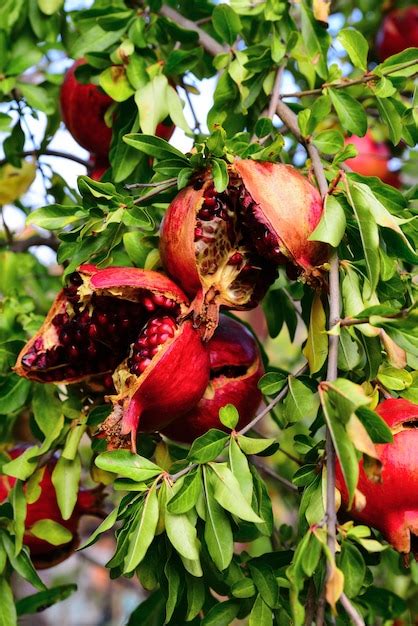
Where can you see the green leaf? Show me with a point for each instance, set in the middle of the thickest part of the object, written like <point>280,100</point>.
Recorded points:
<point>265,581</point>
<point>350,112</point>
<point>44,599</point>
<point>391,118</point>
<point>128,465</point>
<point>332,225</point>
<point>401,64</point>
<point>51,531</point>
<point>154,147</point>
<point>316,40</point>
<point>142,531</point>
<point>49,7</point>
<point>37,97</point>
<point>182,534</point>
<point>353,567</point>
<point>22,563</point>
<point>356,46</point>
<point>249,445</point>
<point>106,525</point>
<point>240,469</point>
<point>151,612</point>
<point>218,534</point>
<point>47,408</point>
<point>329,141</point>
<point>220,174</point>
<point>244,588</point>
<point>393,378</point>
<point>19,514</point>
<point>8,615</point>
<point>208,446</point>
<point>55,216</point>
<point>261,614</point>
<point>271,383</point>
<point>316,348</point>
<point>13,393</point>
<point>226,23</point>
<point>151,100</point>
<point>228,494</point>
<point>114,82</point>
<point>66,479</point>
<point>173,579</point>
<point>195,596</point>
<point>229,416</point>
<point>300,402</point>
<point>186,497</point>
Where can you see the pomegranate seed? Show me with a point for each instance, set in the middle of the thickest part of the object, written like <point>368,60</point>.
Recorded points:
<point>198,233</point>
<point>92,331</point>
<point>73,352</point>
<point>210,201</point>
<point>65,337</point>
<point>164,337</point>
<point>108,381</point>
<point>148,304</point>
<point>235,259</point>
<point>102,319</point>
<point>205,214</point>
<point>143,365</point>
<point>160,300</point>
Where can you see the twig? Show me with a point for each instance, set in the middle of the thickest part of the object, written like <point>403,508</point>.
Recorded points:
<point>351,611</point>
<point>270,472</point>
<point>310,604</point>
<point>155,192</point>
<point>146,185</point>
<point>352,321</point>
<point>48,152</point>
<point>275,95</point>
<point>21,245</point>
<point>206,41</point>
<point>197,128</point>
<point>9,236</point>
<point>285,452</point>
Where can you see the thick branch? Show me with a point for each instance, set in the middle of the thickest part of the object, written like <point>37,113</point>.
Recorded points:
<point>53,153</point>
<point>206,41</point>
<point>22,245</point>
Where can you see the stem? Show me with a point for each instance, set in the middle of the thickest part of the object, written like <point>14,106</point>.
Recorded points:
<point>164,187</point>
<point>351,611</point>
<point>352,321</point>
<point>22,245</point>
<point>276,92</point>
<point>270,472</point>
<point>54,153</point>
<point>146,185</point>
<point>197,128</point>
<point>206,41</point>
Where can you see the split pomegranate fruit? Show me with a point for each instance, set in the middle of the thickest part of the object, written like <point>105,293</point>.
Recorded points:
<point>392,505</point>
<point>223,248</point>
<point>89,502</point>
<point>235,369</point>
<point>372,159</point>
<point>398,31</point>
<point>125,326</point>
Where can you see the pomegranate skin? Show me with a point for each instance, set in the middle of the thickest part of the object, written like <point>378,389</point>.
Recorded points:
<point>236,368</point>
<point>392,505</point>
<point>89,502</point>
<point>372,159</point>
<point>98,167</point>
<point>398,31</point>
<point>83,107</point>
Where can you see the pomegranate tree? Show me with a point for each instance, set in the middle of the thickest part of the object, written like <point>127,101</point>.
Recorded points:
<point>399,30</point>
<point>391,504</point>
<point>223,248</point>
<point>235,369</point>
<point>89,502</point>
<point>126,322</point>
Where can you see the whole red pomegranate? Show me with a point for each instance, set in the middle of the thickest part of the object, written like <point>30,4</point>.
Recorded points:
<point>126,322</point>
<point>235,369</point>
<point>223,248</point>
<point>392,504</point>
<point>398,31</point>
<point>89,502</point>
<point>83,107</point>
<point>372,159</point>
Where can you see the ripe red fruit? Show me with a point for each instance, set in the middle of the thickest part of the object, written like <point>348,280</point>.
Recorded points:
<point>372,159</point>
<point>398,31</point>
<point>223,247</point>
<point>235,369</point>
<point>99,165</point>
<point>89,502</point>
<point>392,505</point>
<point>94,328</point>
<point>83,107</point>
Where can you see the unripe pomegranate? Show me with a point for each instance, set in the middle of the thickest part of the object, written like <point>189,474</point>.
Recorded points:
<point>372,159</point>
<point>398,31</point>
<point>89,502</point>
<point>235,369</point>
<point>392,505</point>
<point>223,248</point>
<point>128,320</point>
<point>83,107</point>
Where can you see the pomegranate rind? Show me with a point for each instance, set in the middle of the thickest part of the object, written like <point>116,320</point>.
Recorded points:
<point>231,345</point>
<point>391,505</point>
<point>120,282</point>
<point>174,381</point>
<point>290,207</point>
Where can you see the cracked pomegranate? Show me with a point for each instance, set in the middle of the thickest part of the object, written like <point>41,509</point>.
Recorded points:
<point>235,369</point>
<point>391,505</point>
<point>224,248</point>
<point>89,502</point>
<point>97,325</point>
<point>398,31</point>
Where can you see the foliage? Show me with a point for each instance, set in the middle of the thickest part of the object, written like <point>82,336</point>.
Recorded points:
<point>202,524</point>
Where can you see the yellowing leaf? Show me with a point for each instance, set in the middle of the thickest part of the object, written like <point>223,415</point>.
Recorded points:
<point>334,586</point>
<point>316,348</point>
<point>360,437</point>
<point>14,182</point>
<point>321,9</point>
<point>396,355</point>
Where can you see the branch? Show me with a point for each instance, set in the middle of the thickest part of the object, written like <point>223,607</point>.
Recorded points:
<point>352,321</point>
<point>275,96</point>
<point>207,42</point>
<point>54,153</point>
<point>22,245</point>
<point>351,611</point>
<point>270,472</point>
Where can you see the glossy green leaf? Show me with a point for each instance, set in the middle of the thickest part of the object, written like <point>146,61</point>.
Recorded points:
<point>143,531</point>
<point>228,494</point>
<point>261,614</point>
<point>51,531</point>
<point>350,112</point>
<point>186,496</point>
<point>208,446</point>
<point>44,599</point>
<point>128,465</point>
<point>226,23</point>
<point>332,225</point>
<point>66,479</point>
<point>356,46</point>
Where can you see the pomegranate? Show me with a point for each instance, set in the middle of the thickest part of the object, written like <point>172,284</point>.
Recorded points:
<point>83,107</point>
<point>223,248</point>
<point>372,159</point>
<point>398,31</point>
<point>391,505</point>
<point>128,320</point>
<point>235,369</point>
<point>89,502</point>
<point>97,167</point>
